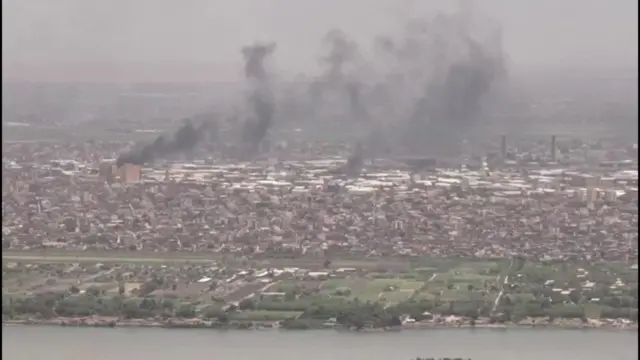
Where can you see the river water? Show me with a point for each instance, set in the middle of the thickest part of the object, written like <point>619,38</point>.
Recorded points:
<point>57,343</point>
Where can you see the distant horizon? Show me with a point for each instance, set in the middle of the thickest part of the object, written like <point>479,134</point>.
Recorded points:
<point>204,74</point>
<point>198,41</point>
<point>107,73</point>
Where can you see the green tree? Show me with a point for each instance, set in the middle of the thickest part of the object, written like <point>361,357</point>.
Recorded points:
<point>130,309</point>
<point>223,318</point>
<point>186,311</point>
<point>575,296</point>
<point>295,324</point>
<point>246,304</point>
<point>212,312</point>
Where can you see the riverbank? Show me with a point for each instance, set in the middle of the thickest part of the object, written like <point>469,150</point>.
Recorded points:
<point>52,343</point>
<point>181,323</point>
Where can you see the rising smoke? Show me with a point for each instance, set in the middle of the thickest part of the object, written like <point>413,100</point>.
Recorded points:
<point>426,94</point>
<point>342,52</point>
<point>357,109</point>
<point>184,140</point>
<point>338,77</point>
<point>355,162</point>
<point>261,98</point>
<point>447,69</point>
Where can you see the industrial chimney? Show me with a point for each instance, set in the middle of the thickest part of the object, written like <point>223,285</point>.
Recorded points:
<point>553,148</point>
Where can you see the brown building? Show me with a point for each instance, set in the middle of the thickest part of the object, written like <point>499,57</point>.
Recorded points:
<point>130,173</point>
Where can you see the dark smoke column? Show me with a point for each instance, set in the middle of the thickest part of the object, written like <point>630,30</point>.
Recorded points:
<point>342,53</point>
<point>450,110</point>
<point>185,139</point>
<point>261,98</point>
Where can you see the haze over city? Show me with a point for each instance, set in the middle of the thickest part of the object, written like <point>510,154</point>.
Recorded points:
<point>199,40</point>
<point>363,166</point>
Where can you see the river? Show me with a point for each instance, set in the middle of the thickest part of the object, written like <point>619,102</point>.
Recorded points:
<point>58,343</point>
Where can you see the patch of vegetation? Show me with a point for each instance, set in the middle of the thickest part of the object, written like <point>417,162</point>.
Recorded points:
<point>381,299</point>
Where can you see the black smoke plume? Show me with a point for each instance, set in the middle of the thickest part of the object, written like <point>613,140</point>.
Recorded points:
<point>185,139</point>
<point>454,67</point>
<point>342,54</point>
<point>261,99</point>
<point>355,100</point>
<point>355,162</point>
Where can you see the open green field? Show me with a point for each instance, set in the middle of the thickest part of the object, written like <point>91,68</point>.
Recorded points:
<point>390,290</point>
<point>442,286</point>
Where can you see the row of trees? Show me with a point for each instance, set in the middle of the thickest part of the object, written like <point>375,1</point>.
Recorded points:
<point>58,304</point>
<point>366,314</point>
<point>349,313</point>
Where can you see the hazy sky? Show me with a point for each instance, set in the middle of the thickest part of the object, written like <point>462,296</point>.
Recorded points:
<point>174,40</point>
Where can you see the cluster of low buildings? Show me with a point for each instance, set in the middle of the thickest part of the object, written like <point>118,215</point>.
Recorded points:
<point>206,281</point>
<point>308,208</point>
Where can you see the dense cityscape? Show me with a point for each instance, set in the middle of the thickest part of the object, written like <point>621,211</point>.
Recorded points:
<point>352,180</point>
<point>304,242</point>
